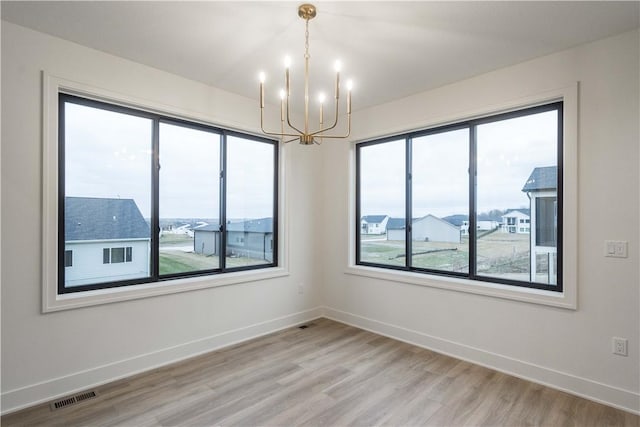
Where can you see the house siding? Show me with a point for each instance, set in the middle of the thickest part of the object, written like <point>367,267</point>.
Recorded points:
<point>88,266</point>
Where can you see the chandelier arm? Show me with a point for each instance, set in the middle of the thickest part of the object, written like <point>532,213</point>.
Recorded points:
<point>340,136</point>
<point>289,120</point>
<point>291,140</point>
<point>279,134</point>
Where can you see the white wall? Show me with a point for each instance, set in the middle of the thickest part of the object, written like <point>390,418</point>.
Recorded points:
<point>565,348</point>
<point>46,355</point>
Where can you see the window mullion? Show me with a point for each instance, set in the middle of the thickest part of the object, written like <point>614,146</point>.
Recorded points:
<point>155,200</point>
<point>223,202</point>
<point>473,175</point>
<point>358,227</point>
<point>408,203</point>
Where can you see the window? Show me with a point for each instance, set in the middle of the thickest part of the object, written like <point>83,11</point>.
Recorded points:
<point>116,255</point>
<point>124,173</point>
<point>68,258</point>
<point>383,194</point>
<point>479,199</point>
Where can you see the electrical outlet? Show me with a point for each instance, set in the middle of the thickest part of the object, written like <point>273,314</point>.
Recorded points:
<point>301,288</point>
<point>620,346</point>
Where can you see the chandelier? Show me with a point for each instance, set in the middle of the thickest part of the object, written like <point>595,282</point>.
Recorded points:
<point>305,135</point>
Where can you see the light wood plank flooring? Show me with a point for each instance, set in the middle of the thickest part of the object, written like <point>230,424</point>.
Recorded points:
<point>328,374</point>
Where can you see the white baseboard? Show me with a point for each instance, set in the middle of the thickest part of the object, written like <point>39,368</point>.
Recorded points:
<point>583,387</point>
<point>14,400</point>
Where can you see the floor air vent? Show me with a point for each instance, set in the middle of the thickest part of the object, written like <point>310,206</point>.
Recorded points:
<point>308,325</point>
<point>68,401</point>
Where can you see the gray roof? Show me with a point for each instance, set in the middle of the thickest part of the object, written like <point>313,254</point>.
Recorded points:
<point>527,212</point>
<point>456,219</point>
<point>262,225</point>
<point>399,223</point>
<point>434,217</point>
<point>396,224</point>
<point>92,218</point>
<point>374,219</point>
<point>543,178</point>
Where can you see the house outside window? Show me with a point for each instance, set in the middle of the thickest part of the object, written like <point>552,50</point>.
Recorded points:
<point>493,180</point>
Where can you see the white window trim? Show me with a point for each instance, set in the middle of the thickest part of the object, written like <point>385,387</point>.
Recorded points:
<point>51,301</point>
<point>568,298</point>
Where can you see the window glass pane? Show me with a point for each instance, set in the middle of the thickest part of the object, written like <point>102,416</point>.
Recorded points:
<point>107,188</point>
<point>189,199</point>
<point>128,255</point>
<point>68,258</point>
<point>546,221</point>
<point>250,202</point>
<point>382,203</point>
<point>440,197</point>
<point>516,193</point>
<point>117,255</point>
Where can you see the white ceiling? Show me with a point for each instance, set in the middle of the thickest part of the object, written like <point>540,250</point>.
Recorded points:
<point>391,49</point>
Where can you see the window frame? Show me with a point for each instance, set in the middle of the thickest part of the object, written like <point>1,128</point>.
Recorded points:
<point>156,120</point>
<point>567,161</point>
<point>52,301</point>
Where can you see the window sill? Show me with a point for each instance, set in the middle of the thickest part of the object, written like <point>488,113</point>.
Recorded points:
<point>566,299</point>
<point>70,301</point>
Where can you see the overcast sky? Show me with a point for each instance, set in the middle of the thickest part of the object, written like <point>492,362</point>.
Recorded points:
<point>508,151</point>
<point>109,155</point>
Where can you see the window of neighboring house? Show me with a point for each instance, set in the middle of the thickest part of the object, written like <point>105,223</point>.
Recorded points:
<point>116,255</point>
<point>126,172</point>
<point>478,170</point>
<point>68,258</point>
<point>546,221</point>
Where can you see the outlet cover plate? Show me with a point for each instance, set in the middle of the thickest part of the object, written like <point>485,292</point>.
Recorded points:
<point>620,346</point>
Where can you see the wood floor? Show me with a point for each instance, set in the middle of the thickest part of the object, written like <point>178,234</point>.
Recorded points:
<point>328,374</point>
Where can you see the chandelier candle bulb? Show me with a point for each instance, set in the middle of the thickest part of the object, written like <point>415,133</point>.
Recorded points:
<point>282,95</point>
<point>286,81</point>
<point>349,87</point>
<point>262,77</point>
